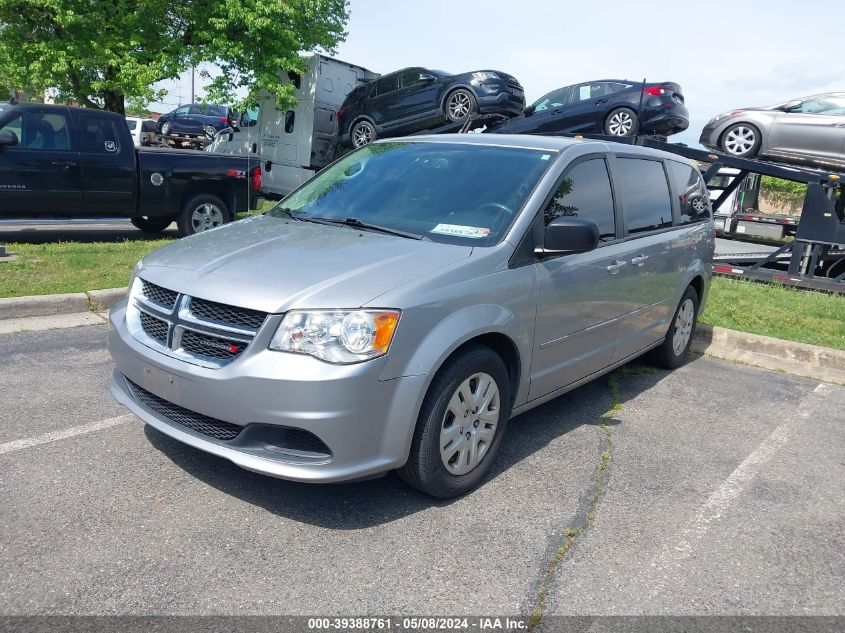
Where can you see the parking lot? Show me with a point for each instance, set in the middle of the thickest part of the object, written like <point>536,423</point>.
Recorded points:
<point>722,494</point>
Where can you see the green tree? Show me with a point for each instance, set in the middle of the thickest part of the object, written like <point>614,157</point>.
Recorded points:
<point>103,52</point>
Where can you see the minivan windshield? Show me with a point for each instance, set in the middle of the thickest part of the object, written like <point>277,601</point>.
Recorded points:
<point>457,193</point>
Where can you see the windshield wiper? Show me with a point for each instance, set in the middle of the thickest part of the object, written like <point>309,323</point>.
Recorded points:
<point>359,224</point>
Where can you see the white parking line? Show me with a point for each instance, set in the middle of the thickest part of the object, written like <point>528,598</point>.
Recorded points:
<point>54,436</point>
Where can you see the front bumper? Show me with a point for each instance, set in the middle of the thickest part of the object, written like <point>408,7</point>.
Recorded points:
<point>496,99</point>
<point>365,422</point>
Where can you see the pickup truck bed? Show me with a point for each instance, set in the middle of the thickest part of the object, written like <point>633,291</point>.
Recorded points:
<point>58,161</point>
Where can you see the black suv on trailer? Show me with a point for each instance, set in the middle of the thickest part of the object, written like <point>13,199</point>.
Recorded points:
<point>414,99</point>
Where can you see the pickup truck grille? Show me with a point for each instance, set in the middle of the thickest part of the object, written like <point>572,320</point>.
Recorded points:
<point>195,330</point>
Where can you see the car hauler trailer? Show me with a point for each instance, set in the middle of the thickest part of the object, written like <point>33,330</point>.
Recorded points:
<point>815,259</point>
<point>293,144</point>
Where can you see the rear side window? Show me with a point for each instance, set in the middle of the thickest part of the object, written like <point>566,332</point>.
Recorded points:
<point>213,110</point>
<point>387,84</point>
<point>645,194</point>
<point>585,193</point>
<point>98,134</point>
<point>691,192</point>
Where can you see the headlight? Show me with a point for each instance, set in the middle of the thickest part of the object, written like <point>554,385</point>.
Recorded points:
<point>484,76</point>
<point>724,115</point>
<point>135,286</point>
<point>336,336</point>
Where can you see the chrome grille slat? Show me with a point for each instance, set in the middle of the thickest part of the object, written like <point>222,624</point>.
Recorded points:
<point>195,330</point>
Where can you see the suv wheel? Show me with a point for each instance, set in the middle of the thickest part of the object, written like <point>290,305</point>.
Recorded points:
<point>673,350</point>
<point>151,225</point>
<point>165,128</point>
<point>461,424</point>
<point>202,213</point>
<point>363,133</point>
<point>741,139</point>
<point>621,122</point>
<point>460,104</point>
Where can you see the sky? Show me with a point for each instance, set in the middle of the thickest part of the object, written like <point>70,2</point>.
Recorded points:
<point>723,54</point>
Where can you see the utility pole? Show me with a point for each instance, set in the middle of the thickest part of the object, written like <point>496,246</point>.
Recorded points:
<point>193,72</point>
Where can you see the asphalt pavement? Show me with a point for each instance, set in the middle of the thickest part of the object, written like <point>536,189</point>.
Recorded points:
<point>723,493</point>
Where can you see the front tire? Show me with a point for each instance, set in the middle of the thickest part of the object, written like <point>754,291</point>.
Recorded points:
<point>460,104</point>
<point>621,122</point>
<point>741,140</point>
<point>673,351</point>
<point>165,128</point>
<point>202,213</point>
<point>151,225</point>
<point>461,424</point>
<point>363,133</point>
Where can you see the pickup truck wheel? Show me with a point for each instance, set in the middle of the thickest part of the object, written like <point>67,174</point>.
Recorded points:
<point>672,352</point>
<point>460,425</point>
<point>202,213</point>
<point>151,225</point>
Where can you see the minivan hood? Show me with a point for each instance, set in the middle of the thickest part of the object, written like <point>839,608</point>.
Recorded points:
<point>276,264</point>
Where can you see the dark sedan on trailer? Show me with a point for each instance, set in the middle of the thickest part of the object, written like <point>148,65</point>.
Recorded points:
<point>414,99</point>
<point>617,107</point>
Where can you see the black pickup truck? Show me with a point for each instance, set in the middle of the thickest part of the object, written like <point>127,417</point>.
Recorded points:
<point>59,162</point>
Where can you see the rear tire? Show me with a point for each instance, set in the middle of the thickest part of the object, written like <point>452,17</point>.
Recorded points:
<point>461,424</point>
<point>460,105</point>
<point>363,133</point>
<point>151,225</point>
<point>202,213</point>
<point>673,351</point>
<point>621,122</point>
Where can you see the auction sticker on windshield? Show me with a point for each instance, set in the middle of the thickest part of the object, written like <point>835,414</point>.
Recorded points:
<point>461,231</point>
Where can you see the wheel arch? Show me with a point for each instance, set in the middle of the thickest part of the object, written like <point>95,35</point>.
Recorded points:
<point>447,93</point>
<point>219,190</point>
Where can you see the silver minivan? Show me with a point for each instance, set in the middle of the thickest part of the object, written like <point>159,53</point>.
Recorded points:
<point>399,308</point>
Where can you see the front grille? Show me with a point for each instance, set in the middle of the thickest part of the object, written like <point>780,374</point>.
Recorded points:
<point>229,315</point>
<point>218,429</point>
<point>158,295</point>
<point>211,346</point>
<point>154,328</point>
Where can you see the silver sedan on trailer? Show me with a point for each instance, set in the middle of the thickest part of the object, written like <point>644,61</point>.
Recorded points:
<point>810,131</point>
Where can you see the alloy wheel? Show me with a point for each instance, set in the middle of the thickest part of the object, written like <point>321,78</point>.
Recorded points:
<point>620,124</point>
<point>740,140</point>
<point>361,135</point>
<point>698,205</point>
<point>206,216</point>
<point>683,327</point>
<point>469,423</point>
<point>459,105</point>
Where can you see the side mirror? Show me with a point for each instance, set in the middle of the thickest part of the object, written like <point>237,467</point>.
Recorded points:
<point>427,77</point>
<point>529,110</point>
<point>567,235</point>
<point>8,138</point>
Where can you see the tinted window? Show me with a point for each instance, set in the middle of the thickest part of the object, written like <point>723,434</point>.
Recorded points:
<point>386,84</point>
<point>586,92</point>
<point>554,99</point>
<point>182,110</point>
<point>98,134</point>
<point>454,193</point>
<point>213,110</point>
<point>131,124</point>
<point>40,130</point>
<point>692,194</point>
<point>410,77</point>
<point>585,193</point>
<point>645,194</point>
<point>250,117</point>
<point>290,118</point>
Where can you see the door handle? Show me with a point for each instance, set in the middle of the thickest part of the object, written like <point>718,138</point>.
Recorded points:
<point>838,124</point>
<point>598,101</point>
<point>639,261</point>
<point>557,111</point>
<point>616,266</point>
<point>63,164</point>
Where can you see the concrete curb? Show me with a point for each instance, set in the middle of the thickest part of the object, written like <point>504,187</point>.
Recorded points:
<point>812,361</point>
<point>48,305</point>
